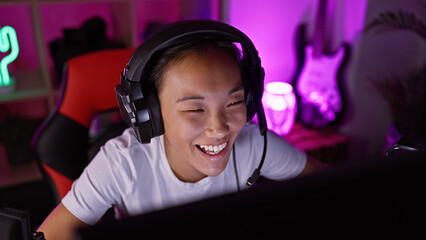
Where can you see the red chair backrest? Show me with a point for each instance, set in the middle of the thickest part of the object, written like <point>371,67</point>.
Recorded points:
<point>61,143</point>
<point>91,82</point>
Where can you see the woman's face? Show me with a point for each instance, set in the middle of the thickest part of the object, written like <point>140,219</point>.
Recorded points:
<point>203,108</point>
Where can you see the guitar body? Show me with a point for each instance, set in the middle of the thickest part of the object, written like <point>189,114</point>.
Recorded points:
<point>318,81</point>
<point>318,87</point>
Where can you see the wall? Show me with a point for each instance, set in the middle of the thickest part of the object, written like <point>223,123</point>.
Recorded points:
<point>272,27</point>
<point>167,11</point>
<point>19,16</point>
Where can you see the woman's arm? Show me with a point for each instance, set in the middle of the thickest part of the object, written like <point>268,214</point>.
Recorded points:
<point>313,165</point>
<point>60,224</point>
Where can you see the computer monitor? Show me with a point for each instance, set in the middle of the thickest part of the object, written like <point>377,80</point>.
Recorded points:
<point>380,198</point>
<point>14,224</point>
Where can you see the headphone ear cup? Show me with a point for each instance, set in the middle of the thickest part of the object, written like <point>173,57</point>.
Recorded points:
<point>155,114</point>
<point>249,87</point>
<point>142,115</point>
<point>251,111</point>
<point>147,130</point>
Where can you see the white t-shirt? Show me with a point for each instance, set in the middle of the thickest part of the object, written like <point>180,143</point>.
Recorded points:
<point>137,178</point>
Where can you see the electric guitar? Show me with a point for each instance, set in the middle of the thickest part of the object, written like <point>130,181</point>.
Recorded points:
<point>318,82</point>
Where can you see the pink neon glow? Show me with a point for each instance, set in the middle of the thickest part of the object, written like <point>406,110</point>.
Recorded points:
<point>272,26</point>
<point>279,102</point>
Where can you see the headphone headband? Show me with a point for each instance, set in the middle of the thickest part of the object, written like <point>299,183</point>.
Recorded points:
<point>179,32</point>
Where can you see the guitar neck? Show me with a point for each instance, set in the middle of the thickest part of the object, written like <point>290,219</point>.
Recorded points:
<point>318,40</point>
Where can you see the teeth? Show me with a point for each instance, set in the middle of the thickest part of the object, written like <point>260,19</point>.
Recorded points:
<point>212,150</point>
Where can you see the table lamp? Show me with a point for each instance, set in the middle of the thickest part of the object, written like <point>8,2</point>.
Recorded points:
<point>279,102</point>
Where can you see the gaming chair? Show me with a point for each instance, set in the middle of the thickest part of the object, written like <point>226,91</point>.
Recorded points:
<point>61,144</point>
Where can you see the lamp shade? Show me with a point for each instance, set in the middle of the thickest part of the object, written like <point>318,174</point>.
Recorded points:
<point>279,102</point>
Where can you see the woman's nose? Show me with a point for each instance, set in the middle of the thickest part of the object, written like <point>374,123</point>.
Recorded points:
<point>217,125</point>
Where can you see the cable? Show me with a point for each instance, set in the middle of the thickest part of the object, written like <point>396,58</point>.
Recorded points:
<point>235,168</point>
<point>256,173</point>
<point>265,143</point>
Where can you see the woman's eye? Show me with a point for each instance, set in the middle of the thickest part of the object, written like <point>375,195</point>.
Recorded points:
<point>236,103</point>
<point>195,110</point>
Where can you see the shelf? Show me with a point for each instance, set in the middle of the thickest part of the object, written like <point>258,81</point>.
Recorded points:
<point>14,2</point>
<point>22,95</point>
<point>28,85</point>
<point>80,1</point>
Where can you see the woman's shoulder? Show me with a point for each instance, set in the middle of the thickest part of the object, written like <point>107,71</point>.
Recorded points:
<point>126,157</point>
<point>127,148</point>
<point>124,141</point>
<point>250,129</point>
<point>249,134</point>
<point>128,141</point>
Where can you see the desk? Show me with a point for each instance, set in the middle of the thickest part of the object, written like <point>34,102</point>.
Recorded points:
<point>16,175</point>
<point>22,187</point>
<point>327,144</point>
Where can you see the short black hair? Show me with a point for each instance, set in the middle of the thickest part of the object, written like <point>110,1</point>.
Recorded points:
<point>154,70</point>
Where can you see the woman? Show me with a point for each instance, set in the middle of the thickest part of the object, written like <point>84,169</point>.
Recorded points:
<point>201,89</point>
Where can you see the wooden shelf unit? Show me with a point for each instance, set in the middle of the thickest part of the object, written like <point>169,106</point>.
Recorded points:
<point>38,22</point>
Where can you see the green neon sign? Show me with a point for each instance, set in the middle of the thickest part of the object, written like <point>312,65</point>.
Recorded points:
<point>8,41</point>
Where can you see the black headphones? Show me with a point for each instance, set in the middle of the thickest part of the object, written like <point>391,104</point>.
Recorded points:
<point>140,108</point>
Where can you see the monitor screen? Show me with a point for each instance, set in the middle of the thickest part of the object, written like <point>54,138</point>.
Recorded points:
<point>375,198</point>
<point>14,224</point>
